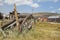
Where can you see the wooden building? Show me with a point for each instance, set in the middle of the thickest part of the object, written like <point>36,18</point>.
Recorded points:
<point>12,15</point>
<point>54,19</point>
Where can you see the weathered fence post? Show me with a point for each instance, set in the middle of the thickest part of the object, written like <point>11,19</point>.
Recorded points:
<point>16,17</point>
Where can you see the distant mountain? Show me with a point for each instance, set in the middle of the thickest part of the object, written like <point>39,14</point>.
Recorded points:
<point>45,14</point>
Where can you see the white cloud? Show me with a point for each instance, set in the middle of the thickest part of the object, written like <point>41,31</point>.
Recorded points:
<point>35,5</point>
<point>18,2</point>
<point>53,11</point>
<point>48,0</point>
<point>56,0</point>
<point>59,9</point>
<point>1,2</point>
<point>9,1</point>
<point>22,2</point>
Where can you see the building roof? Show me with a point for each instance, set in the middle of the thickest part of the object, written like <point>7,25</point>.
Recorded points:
<point>54,17</point>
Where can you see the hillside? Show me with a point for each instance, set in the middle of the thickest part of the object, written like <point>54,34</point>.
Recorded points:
<point>45,13</point>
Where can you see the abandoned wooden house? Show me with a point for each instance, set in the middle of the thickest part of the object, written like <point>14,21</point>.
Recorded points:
<point>12,15</point>
<point>54,19</point>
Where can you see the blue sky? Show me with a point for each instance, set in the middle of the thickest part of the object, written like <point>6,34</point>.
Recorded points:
<point>27,5</point>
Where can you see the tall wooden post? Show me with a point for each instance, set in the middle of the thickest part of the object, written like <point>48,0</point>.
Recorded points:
<point>16,17</point>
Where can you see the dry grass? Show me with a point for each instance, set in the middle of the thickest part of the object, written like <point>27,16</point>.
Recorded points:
<point>4,22</point>
<point>40,31</point>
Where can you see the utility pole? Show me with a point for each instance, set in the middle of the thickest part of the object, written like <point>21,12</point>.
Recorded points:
<point>55,17</point>
<point>16,17</point>
<point>32,10</point>
<point>32,14</point>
